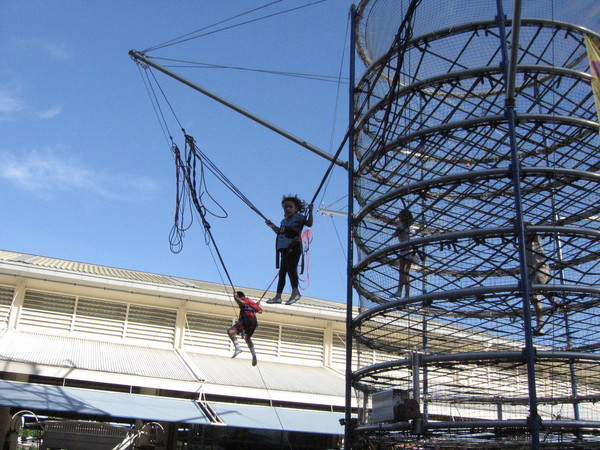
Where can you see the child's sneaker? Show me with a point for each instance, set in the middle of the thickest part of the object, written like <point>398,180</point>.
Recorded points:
<point>273,301</point>
<point>237,352</point>
<point>254,361</point>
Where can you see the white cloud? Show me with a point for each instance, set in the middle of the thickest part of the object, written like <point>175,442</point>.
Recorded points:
<point>50,113</point>
<point>47,174</point>
<point>13,106</point>
<point>53,49</point>
<point>10,103</point>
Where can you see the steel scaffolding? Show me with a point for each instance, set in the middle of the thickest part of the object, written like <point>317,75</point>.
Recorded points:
<point>478,117</point>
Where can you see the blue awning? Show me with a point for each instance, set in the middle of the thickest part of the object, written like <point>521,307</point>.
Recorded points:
<point>37,397</point>
<point>274,418</point>
<point>59,399</point>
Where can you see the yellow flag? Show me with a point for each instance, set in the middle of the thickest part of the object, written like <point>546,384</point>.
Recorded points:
<point>593,52</point>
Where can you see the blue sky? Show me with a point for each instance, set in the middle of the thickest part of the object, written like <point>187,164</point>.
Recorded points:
<point>86,172</point>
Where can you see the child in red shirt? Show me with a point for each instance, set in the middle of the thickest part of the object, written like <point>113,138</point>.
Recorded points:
<point>246,323</point>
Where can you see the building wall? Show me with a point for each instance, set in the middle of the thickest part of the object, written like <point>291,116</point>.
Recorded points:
<point>62,299</point>
<point>141,318</point>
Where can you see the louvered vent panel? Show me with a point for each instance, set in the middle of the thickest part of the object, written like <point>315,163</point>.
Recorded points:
<point>380,357</point>
<point>6,296</point>
<point>205,331</point>
<point>44,310</point>
<point>151,324</point>
<point>303,343</point>
<point>338,352</point>
<point>365,357</point>
<point>266,339</point>
<point>100,317</point>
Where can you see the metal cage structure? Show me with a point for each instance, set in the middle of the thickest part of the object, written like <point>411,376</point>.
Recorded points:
<point>498,339</point>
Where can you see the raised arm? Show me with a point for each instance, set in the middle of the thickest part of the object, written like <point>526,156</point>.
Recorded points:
<point>237,299</point>
<point>272,226</point>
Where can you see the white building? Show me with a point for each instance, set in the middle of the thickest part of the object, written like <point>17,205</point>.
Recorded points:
<point>82,341</point>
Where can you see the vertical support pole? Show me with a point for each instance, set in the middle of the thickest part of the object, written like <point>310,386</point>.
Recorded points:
<point>509,71</point>
<point>416,375</point>
<point>425,372</point>
<point>425,319</point>
<point>18,300</point>
<point>558,241</point>
<point>568,332</point>
<point>348,431</point>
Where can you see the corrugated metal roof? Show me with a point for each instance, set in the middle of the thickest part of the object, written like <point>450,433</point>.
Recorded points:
<point>146,277</point>
<point>93,269</point>
<point>270,375</point>
<point>156,363</point>
<point>59,351</point>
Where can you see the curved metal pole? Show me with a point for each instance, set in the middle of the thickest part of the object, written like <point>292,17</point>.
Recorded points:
<point>140,57</point>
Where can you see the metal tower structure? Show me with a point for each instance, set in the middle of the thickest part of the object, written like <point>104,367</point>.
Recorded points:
<point>478,117</point>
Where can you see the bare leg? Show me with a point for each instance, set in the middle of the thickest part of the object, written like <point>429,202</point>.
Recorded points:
<point>232,332</point>
<point>403,280</point>
<point>251,347</point>
<point>283,262</point>
<point>536,300</point>
<point>407,264</point>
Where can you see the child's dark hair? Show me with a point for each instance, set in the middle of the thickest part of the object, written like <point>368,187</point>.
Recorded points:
<point>300,204</point>
<point>240,294</point>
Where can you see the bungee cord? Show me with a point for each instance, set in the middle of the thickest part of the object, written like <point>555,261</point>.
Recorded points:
<point>183,220</point>
<point>188,184</point>
<point>154,101</point>
<point>187,193</point>
<point>191,190</point>
<point>187,35</point>
<point>350,128</point>
<point>220,175</point>
<point>188,197</point>
<point>274,408</point>
<point>184,169</point>
<point>202,65</point>
<point>181,201</point>
<point>307,237</point>
<point>192,35</point>
<point>178,232</point>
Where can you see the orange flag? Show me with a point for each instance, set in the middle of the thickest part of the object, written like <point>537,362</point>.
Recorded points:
<point>593,52</point>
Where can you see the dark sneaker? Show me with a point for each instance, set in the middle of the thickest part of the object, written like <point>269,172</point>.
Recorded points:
<point>539,331</point>
<point>293,300</point>
<point>273,300</point>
